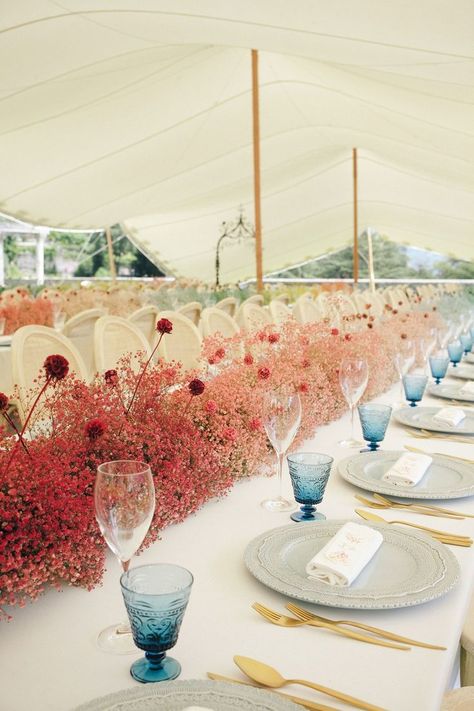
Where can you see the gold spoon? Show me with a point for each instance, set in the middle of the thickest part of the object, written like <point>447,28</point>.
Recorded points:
<point>268,676</point>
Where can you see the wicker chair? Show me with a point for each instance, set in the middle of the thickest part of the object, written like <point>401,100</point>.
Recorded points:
<point>31,345</point>
<point>307,311</point>
<point>214,320</point>
<point>192,311</point>
<point>251,317</point>
<point>229,305</point>
<point>115,337</point>
<point>145,319</point>
<point>80,329</point>
<point>279,311</point>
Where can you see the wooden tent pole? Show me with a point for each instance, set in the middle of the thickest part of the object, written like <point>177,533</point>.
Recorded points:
<point>256,170</point>
<point>355,256</point>
<point>113,271</point>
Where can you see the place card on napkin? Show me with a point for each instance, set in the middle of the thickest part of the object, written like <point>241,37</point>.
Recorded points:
<point>345,556</point>
<point>468,388</point>
<point>450,416</point>
<point>408,470</point>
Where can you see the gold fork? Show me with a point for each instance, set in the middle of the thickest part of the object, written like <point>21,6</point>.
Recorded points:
<point>284,621</point>
<point>442,536</point>
<point>448,513</point>
<point>305,615</point>
<point>416,508</point>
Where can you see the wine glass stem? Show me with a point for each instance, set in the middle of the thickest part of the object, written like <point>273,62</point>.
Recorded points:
<point>280,475</point>
<point>351,407</point>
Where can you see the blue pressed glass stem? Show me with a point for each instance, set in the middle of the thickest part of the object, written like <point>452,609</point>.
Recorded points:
<point>155,659</point>
<point>373,446</point>
<point>308,510</point>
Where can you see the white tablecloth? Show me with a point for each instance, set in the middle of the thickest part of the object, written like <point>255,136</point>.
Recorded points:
<point>49,661</point>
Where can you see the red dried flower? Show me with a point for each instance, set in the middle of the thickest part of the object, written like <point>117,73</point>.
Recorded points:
<point>368,306</point>
<point>370,325</point>
<point>196,387</point>
<point>400,303</point>
<point>434,308</point>
<point>334,331</point>
<point>94,429</point>
<point>3,402</point>
<point>220,353</point>
<point>303,388</point>
<point>305,363</point>
<point>263,373</point>
<point>248,359</point>
<point>111,377</point>
<point>348,337</point>
<point>261,336</point>
<point>164,325</point>
<point>230,433</point>
<point>256,424</point>
<point>273,337</point>
<point>403,336</point>
<point>364,315</point>
<point>394,311</point>
<point>56,366</point>
<point>425,315</point>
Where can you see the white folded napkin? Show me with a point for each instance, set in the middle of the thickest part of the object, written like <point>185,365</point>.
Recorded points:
<point>450,415</point>
<point>468,388</point>
<point>345,555</point>
<point>408,470</point>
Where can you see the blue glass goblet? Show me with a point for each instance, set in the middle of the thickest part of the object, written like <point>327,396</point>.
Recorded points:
<point>466,342</point>
<point>156,597</point>
<point>455,351</point>
<point>439,366</point>
<point>374,420</point>
<point>309,474</point>
<point>414,386</point>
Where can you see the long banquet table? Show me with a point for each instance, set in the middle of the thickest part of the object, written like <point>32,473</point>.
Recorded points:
<point>49,660</point>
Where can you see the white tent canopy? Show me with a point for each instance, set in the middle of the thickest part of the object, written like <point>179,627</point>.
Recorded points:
<point>140,112</point>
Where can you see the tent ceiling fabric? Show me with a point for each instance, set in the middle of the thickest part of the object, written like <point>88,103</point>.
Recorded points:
<point>140,113</point>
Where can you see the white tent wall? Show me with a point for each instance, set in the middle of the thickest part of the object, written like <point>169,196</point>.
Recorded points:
<point>140,113</point>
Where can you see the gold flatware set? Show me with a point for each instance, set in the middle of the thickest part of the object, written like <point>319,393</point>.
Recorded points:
<point>451,539</point>
<point>383,502</point>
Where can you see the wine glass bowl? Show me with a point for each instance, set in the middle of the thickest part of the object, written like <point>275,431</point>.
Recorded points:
<point>455,350</point>
<point>374,421</point>
<point>353,378</point>
<point>309,473</point>
<point>124,498</point>
<point>439,365</point>
<point>281,419</point>
<point>156,597</point>
<point>414,386</point>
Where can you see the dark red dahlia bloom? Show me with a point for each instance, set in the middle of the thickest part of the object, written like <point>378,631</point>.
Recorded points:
<point>263,373</point>
<point>111,377</point>
<point>248,359</point>
<point>56,367</point>
<point>95,428</point>
<point>273,337</point>
<point>164,326</point>
<point>220,353</point>
<point>334,331</point>
<point>3,402</point>
<point>196,387</point>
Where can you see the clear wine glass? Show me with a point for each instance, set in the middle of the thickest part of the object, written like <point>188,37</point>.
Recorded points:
<point>281,419</point>
<point>124,497</point>
<point>403,360</point>
<point>353,378</point>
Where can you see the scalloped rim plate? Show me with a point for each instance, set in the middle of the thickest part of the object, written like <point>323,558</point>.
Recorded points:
<point>422,419</point>
<point>464,371</point>
<point>177,695</point>
<point>450,392</point>
<point>410,568</point>
<point>445,479</point>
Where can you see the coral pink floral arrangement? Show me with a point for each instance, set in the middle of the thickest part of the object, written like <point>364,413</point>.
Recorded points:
<point>20,309</point>
<point>198,433</point>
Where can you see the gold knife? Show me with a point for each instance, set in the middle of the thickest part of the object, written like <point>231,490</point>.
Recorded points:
<point>312,705</point>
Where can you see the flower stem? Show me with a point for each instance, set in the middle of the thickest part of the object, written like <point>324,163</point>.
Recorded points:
<point>28,418</point>
<point>127,411</point>
<point>12,424</point>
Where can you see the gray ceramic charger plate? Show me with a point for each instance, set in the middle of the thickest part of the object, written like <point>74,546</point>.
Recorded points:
<point>450,391</point>
<point>422,419</point>
<point>469,358</point>
<point>409,568</point>
<point>466,372</point>
<point>176,695</point>
<point>5,341</point>
<point>445,479</point>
